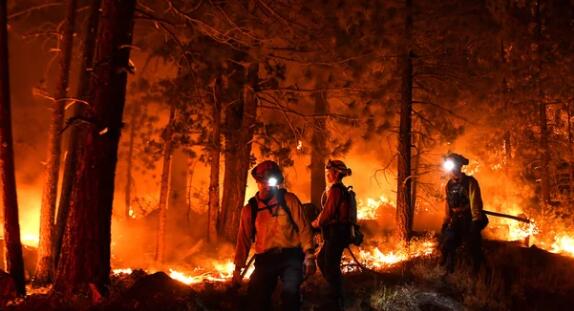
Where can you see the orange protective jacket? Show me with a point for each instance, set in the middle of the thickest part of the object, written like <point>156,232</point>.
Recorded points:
<point>273,229</point>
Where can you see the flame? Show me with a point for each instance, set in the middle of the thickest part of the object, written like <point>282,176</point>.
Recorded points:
<point>375,258</point>
<point>370,209</point>
<point>563,244</point>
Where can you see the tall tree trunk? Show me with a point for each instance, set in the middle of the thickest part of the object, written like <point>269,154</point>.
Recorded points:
<point>543,120</point>
<point>71,158</point>
<point>13,255</point>
<point>571,152</point>
<point>504,97</point>
<point>237,159</point>
<point>178,222</point>
<point>164,187</point>
<point>404,208</point>
<point>319,148</point>
<point>415,178</point>
<point>45,265</point>
<point>214,158</point>
<point>85,258</point>
<point>129,179</point>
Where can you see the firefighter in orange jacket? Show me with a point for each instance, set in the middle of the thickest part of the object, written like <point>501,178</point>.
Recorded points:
<point>275,223</point>
<point>335,222</point>
<point>464,218</point>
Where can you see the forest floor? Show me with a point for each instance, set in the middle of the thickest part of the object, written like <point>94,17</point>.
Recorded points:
<point>514,278</point>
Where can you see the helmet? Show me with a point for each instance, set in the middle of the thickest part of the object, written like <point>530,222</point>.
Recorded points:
<point>339,166</point>
<point>458,159</point>
<point>264,171</point>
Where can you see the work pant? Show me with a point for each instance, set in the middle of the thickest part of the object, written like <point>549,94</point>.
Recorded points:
<point>336,239</point>
<point>461,230</point>
<point>285,264</point>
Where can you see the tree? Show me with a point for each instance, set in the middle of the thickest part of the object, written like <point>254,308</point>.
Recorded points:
<point>70,161</point>
<point>215,159</point>
<point>405,211</point>
<point>85,255</point>
<point>238,152</point>
<point>14,260</point>
<point>45,265</point>
<point>319,151</point>
<point>164,183</point>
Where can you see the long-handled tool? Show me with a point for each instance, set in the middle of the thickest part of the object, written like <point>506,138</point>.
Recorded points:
<point>517,218</point>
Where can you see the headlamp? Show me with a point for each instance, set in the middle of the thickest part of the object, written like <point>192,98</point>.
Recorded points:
<point>272,181</point>
<point>448,165</point>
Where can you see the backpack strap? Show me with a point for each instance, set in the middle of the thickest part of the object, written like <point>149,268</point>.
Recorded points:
<point>281,201</point>
<point>283,204</point>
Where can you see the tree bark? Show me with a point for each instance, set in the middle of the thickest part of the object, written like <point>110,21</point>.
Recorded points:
<point>85,256</point>
<point>571,159</point>
<point>70,161</point>
<point>13,254</point>
<point>45,265</point>
<point>128,189</point>
<point>238,156</point>
<point>415,179</point>
<point>404,208</point>
<point>214,158</point>
<point>319,149</point>
<point>164,187</point>
<point>543,119</point>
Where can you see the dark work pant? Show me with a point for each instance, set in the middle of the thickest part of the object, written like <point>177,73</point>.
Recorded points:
<point>284,264</point>
<point>461,231</point>
<point>336,239</point>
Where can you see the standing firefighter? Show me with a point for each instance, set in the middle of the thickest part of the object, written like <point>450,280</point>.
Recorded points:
<point>464,218</point>
<point>274,221</point>
<point>336,221</point>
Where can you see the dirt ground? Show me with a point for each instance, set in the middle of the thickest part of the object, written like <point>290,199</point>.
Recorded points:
<point>513,278</point>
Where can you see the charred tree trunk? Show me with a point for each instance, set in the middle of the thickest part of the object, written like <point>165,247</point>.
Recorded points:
<point>214,158</point>
<point>319,149</point>
<point>164,187</point>
<point>238,157</point>
<point>404,208</point>
<point>45,266</point>
<point>543,119</point>
<point>128,190</point>
<point>13,255</point>
<point>85,259</point>
<point>71,158</point>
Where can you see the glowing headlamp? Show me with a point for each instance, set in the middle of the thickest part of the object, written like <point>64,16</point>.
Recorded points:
<point>448,165</point>
<point>272,181</point>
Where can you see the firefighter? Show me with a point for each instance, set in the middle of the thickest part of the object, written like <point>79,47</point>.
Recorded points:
<point>464,218</point>
<point>335,221</point>
<point>274,222</point>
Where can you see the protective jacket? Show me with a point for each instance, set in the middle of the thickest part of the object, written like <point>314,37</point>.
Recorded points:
<point>337,208</point>
<point>273,228</point>
<point>463,199</point>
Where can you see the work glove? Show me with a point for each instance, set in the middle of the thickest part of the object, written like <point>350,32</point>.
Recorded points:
<point>309,265</point>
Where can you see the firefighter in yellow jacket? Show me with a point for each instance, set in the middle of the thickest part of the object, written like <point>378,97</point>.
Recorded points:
<point>464,218</point>
<point>274,222</point>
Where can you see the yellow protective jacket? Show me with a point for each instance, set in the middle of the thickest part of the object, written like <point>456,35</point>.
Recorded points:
<point>273,228</point>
